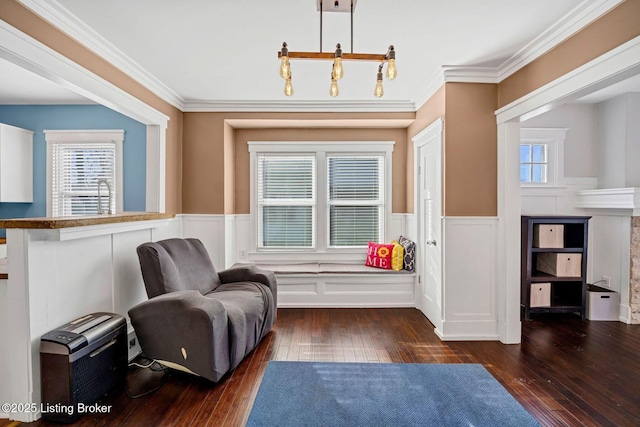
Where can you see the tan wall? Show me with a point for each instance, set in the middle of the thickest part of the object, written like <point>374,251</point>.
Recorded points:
<point>29,23</point>
<point>216,158</point>
<point>611,30</point>
<point>203,177</point>
<point>430,111</point>
<point>293,135</point>
<point>470,150</point>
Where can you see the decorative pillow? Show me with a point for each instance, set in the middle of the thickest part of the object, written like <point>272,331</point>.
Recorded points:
<point>409,253</point>
<point>379,255</point>
<point>397,258</point>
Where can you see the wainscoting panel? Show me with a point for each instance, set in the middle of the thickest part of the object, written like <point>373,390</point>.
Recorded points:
<point>353,290</point>
<point>470,260</point>
<point>210,229</point>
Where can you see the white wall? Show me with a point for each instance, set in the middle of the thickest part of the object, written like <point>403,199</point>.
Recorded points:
<point>580,160</point>
<point>580,157</point>
<point>619,142</point>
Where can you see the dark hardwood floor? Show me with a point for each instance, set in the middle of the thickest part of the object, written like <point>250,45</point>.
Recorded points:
<point>565,372</point>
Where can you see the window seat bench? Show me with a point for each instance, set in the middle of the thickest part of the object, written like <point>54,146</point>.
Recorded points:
<point>320,284</point>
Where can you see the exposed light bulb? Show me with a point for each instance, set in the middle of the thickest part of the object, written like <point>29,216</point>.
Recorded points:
<point>288,87</point>
<point>392,71</point>
<point>334,88</point>
<point>285,67</point>
<point>337,71</point>
<point>379,91</point>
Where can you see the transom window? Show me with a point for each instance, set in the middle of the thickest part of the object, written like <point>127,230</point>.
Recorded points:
<point>533,163</point>
<point>542,157</point>
<point>320,197</point>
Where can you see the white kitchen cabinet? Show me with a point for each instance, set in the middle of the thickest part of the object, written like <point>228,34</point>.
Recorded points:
<point>16,164</point>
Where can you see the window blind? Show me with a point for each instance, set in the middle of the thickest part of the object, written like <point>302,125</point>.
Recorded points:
<point>286,201</point>
<point>355,199</point>
<point>76,169</point>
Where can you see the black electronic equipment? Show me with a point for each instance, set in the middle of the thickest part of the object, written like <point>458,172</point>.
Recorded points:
<point>80,362</point>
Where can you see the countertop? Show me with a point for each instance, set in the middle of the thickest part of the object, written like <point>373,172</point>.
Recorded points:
<point>51,223</point>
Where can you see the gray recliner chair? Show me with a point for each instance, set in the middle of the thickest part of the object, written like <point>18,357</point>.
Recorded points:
<point>196,319</point>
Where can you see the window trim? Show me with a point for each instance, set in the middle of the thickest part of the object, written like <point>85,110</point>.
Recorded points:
<point>321,149</point>
<point>554,139</point>
<point>86,136</point>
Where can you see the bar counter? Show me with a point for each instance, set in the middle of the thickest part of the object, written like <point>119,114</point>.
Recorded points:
<point>50,223</point>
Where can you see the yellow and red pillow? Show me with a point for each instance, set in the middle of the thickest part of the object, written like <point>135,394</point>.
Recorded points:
<point>386,256</point>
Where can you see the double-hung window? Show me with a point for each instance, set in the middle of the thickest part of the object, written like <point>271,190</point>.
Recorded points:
<point>286,201</point>
<point>76,162</point>
<point>320,197</point>
<point>355,199</point>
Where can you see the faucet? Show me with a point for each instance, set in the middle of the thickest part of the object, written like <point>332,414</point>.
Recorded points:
<point>110,195</point>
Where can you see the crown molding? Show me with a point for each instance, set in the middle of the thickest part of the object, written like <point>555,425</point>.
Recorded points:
<point>62,18</point>
<point>428,89</point>
<point>461,74</point>
<point>299,106</point>
<point>30,54</point>
<point>578,18</point>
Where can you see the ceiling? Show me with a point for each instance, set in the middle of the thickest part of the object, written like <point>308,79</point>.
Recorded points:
<point>203,52</point>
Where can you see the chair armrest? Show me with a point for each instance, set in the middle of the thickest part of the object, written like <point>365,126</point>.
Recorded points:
<point>251,273</point>
<point>185,328</point>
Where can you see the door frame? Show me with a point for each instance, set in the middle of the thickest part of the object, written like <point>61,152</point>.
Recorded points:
<point>433,131</point>
<point>614,66</point>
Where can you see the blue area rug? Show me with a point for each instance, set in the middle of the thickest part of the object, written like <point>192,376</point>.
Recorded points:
<point>383,394</point>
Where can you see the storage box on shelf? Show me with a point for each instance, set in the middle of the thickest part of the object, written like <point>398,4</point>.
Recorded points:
<point>540,295</point>
<point>559,264</point>
<point>548,235</point>
<point>554,261</point>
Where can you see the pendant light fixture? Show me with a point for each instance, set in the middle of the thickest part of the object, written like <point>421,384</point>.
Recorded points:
<point>337,71</point>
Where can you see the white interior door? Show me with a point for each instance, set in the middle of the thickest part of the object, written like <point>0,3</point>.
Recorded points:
<point>428,155</point>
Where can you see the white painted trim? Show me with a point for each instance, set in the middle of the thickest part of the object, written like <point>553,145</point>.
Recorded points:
<point>226,106</point>
<point>428,89</point>
<point>61,17</point>
<point>73,233</point>
<point>431,308</point>
<point>625,199</point>
<point>508,234</point>
<point>26,52</point>
<point>345,290</point>
<point>155,195</point>
<point>470,294</point>
<point>320,149</point>
<point>578,18</point>
<point>616,65</point>
<point>472,74</point>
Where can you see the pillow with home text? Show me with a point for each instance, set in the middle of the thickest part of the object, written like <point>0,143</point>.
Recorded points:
<point>379,255</point>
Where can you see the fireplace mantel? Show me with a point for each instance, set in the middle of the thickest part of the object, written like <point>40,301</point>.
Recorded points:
<point>617,201</point>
